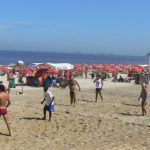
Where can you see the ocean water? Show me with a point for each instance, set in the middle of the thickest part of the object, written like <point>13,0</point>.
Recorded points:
<point>7,57</point>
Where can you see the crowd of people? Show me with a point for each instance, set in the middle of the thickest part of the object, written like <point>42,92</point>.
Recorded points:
<point>49,97</point>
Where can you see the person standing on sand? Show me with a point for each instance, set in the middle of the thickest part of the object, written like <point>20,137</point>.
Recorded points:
<point>4,103</point>
<point>49,103</point>
<point>73,89</point>
<point>99,85</point>
<point>143,96</point>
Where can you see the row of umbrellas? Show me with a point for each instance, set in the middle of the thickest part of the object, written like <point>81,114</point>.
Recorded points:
<point>111,68</point>
<point>44,69</point>
<point>26,71</point>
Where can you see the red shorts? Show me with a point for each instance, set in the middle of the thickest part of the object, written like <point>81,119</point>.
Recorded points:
<point>3,111</point>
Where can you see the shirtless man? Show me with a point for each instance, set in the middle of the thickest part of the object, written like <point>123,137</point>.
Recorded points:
<point>4,103</point>
<point>9,77</point>
<point>143,96</point>
<point>73,89</point>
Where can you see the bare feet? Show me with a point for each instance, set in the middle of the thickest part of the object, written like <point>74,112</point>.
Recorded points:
<point>10,134</point>
<point>43,118</point>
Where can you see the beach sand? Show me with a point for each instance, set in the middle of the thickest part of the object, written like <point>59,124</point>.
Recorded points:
<point>114,124</point>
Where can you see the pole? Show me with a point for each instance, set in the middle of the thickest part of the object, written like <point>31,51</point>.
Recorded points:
<point>22,87</point>
<point>148,68</point>
<point>148,55</point>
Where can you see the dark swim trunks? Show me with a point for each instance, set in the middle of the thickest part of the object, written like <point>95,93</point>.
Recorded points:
<point>3,111</point>
<point>98,89</point>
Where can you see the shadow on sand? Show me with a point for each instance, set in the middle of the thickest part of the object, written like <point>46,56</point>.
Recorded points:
<point>84,100</point>
<point>128,114</point>
<point>62,104</point>
<point>31,118</point>
<point>4,134</point>
<point>131,104</point>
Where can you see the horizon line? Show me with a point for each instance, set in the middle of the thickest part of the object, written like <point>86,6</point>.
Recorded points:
<point>75,52</point>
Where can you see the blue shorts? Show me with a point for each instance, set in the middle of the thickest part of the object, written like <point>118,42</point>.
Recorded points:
<point>49,108</point>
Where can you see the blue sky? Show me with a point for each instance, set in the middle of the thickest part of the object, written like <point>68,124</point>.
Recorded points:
<point>88,26</point>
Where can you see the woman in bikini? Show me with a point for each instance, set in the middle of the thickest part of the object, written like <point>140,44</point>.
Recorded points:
<point>4,103</point>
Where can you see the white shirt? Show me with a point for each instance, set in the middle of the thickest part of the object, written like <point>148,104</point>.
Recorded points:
<point>99,84</point>
<point>48,98</point>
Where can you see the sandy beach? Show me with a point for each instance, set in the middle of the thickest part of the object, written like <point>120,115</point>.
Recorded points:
<point>114,124</point>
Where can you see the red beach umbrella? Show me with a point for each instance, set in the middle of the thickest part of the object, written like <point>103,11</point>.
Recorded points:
<point>125,71</point>
<point>49,71</point>
<point>67,74</point>
<point>43,66</point>
<point>76,65</point>
<point>17,68</point>
<point>121,66</point>
<point>78,68</point>
<point>136,69</point>
<point>56,72</point>
<point>26,71</point>
<point>4,69</point>
<point>89,67</point>
<point>99,67</point>
<point>40,72</point>
<point>109,69</point>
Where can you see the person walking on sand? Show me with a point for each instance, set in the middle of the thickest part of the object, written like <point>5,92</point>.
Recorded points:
<point>143,96</point>
<point>49,103</point>
<point>99,85</point>
<point>4,103</point>
<point>73,89</point>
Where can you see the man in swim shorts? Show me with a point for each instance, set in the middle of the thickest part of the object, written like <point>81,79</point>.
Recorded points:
<point>143,96</point>
<point>49,103</point>
<point>73,89</point>
<point>4,103</point>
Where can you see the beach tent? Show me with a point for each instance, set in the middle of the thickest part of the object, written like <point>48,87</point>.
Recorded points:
<point>34,65</point>
<point>11,65</point>
<point>20,63</point>
<point>60,66</point>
